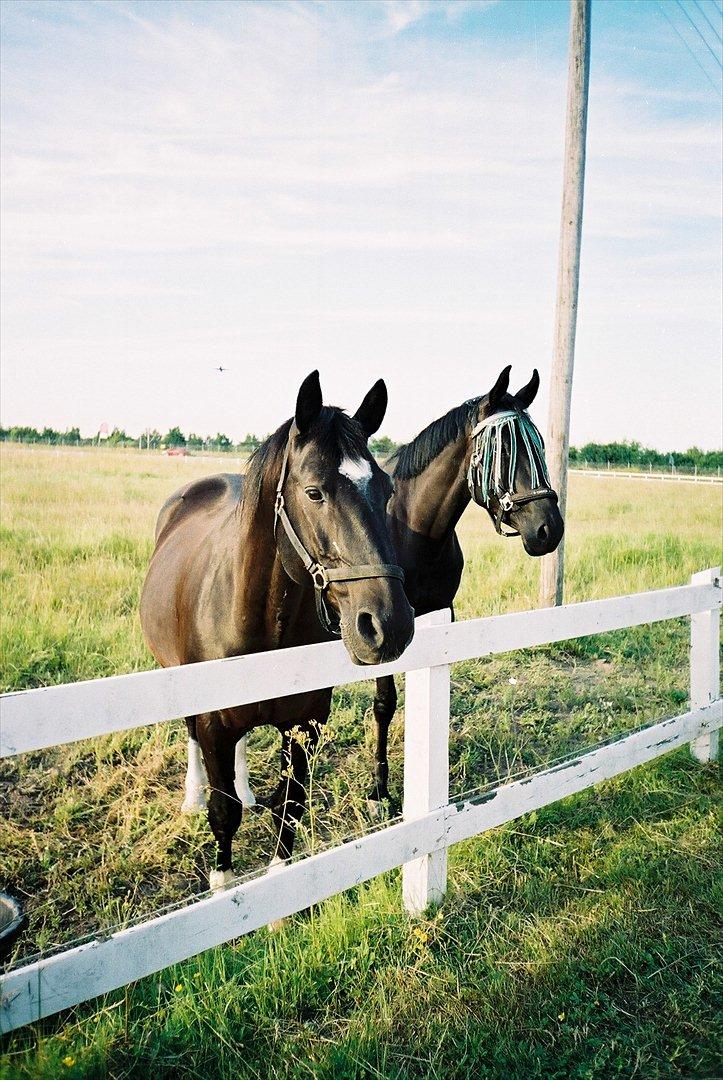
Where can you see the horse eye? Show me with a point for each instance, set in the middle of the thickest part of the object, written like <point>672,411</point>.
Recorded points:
<point>315,495</point>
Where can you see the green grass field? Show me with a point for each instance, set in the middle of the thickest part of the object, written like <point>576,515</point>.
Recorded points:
<point>581,941</point>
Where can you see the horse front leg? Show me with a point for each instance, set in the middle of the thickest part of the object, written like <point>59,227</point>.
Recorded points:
<point>289,800</point>
<point>385,704</point>
<point>224,805</point>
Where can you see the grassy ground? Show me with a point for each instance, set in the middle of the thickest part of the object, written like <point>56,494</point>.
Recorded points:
<point>582,941</point>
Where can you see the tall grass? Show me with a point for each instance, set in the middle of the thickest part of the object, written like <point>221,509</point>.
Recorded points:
<point>580,941</point>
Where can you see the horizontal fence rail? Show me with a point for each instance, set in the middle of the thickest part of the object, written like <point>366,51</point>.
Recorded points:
<point>53,715</point>
<point>665,478</point>
<point>38,718</point>
<point>58,982</point>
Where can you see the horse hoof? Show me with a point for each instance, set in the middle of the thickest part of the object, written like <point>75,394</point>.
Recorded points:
<point>276,864</point>
<point>194,803</point>
<point>219,879</point>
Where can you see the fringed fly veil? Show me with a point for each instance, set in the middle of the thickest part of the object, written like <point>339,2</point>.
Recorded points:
<point>486,465</point>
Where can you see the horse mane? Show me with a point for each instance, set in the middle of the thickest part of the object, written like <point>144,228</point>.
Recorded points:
<point>336,434</point>
<point>414,457</point>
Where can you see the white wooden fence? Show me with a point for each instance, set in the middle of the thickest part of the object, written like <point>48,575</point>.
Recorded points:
<point>666,478</point>
<point>52,716</point>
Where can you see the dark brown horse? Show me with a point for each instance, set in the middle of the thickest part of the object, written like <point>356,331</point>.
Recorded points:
<point>486,449</point>
<point>290,554</point>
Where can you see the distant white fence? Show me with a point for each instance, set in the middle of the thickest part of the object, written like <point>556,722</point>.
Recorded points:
<point>666,478</point>
<point>32,719</point>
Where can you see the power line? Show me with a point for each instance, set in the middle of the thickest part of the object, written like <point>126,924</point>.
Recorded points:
<point>693,56</point>
<point>710,24</point>
<point>700,35</point>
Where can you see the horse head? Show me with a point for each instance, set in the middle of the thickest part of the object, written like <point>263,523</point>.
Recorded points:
<point>331,524</point>
<point>507,472</point>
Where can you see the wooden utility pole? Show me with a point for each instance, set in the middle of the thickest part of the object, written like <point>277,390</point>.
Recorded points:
<point>568,275</point>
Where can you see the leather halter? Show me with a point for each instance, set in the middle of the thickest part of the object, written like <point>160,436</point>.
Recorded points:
<point>484,476</point>
<point>322,576</point>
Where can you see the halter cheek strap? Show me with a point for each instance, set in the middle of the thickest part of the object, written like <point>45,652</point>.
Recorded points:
<point>322,576</point>
<point>485,475</point>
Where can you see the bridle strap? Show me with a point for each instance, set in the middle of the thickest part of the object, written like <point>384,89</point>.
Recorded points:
<point>321,575</point>
<point>511,502</point>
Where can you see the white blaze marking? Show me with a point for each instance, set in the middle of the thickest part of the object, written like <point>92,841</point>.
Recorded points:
<point>359,472</point>
<point>241,771</point>
<point>196,780</point>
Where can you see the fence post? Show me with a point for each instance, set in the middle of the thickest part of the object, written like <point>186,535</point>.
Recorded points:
<point>426,770</point>
<point>705,665</point>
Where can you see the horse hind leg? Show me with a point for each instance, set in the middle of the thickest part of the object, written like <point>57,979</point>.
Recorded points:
<point>194,800</point>
<point>241,775</point>
<point>385,704</point>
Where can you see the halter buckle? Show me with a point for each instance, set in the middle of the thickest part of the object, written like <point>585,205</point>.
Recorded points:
<point>279,503</point>
<point>506,502</point>
<point>319,576</point>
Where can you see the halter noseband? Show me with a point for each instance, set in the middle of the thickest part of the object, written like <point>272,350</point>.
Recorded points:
<point>485,466</point>
<point>321,576</point>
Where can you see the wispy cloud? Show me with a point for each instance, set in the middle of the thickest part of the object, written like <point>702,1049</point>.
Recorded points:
<point>308,182</point>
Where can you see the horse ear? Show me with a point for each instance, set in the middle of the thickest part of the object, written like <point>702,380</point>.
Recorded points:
<point>373,408</point>
<point>308,402</point>
<point>499,390</point>
<point>528,393</point>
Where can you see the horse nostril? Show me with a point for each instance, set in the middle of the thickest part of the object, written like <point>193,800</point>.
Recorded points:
<point>369,628</point>
<point>542,534</point>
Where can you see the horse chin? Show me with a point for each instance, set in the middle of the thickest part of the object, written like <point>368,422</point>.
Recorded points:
<point>364,656</point>
<point>536,550</point>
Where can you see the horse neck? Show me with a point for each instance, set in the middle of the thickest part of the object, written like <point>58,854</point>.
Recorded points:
<point>267,600</point>
<point>430,505</point>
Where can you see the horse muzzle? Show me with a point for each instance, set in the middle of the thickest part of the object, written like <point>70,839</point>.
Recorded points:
<point>377,633</point>
<point>541,532</point>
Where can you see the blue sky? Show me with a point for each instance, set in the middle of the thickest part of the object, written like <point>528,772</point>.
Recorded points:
<point>370,189</point>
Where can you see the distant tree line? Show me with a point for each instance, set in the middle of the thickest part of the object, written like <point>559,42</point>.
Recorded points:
<point>633,455</point>
<point>614,454</point>
<point>152,440</point>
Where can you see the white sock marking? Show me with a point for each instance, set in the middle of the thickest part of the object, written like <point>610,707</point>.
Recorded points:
<point>219,879</point>
<point>196,780</point>
<point>276,864</point>
<point>241,773</point>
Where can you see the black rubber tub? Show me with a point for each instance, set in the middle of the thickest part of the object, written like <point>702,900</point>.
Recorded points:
<point>12,919</point>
